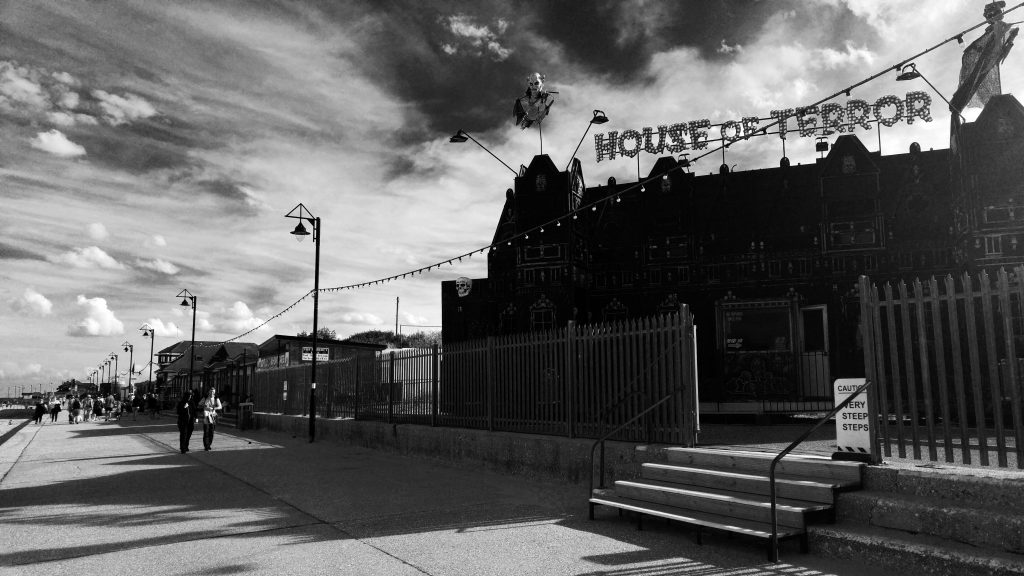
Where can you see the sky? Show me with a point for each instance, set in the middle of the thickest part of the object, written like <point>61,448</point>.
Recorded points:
<point>149,147</point>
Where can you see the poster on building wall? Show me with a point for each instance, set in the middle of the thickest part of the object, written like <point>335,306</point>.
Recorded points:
<point>322,354</point>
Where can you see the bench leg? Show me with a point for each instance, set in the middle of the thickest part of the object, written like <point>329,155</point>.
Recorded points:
<point>804,545</point>
<point>592,505</point>
<point>639,521</point>
<point>700,536</point>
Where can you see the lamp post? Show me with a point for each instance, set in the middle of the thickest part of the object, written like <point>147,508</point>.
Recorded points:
<point>599,118</point>
<point>117,382</point>
<point>131,362</point>
<point>106,373</point>
<point>461,136</point>
<point>910,72</point>
<point>149,332</point>
<point>301,213</point>
<point>186,296</point>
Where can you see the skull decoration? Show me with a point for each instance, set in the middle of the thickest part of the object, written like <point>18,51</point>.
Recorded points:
<point>463,286</point>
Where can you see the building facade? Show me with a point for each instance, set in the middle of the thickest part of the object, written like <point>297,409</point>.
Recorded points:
<point>767,260</point>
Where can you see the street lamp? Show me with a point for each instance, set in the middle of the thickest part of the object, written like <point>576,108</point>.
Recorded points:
<point>106,373</point>
<point>461,136</point>
<point>116,383</point>
<point>149,332</point>
<point>185,296</point>
<point>301,213</point>
<point>131,362</point>
<point>599,118</point>
<point>910,72</point>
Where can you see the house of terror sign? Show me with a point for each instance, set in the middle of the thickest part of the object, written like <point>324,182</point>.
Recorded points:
<point>829,118</point>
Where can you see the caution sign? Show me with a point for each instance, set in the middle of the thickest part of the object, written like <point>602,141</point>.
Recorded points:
<point>853,423</point>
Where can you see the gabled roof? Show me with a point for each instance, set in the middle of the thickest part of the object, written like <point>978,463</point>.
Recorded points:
<point>848,145</point>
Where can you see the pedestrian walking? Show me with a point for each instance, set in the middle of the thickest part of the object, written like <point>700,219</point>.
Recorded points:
<point>136,405</point>
<point>87,408</point>
<point>151,405</point>
<point>40,410</point>
<point>97,408</point>
<point>209,407</point>
<point>54,410</point>
<point>186,420</point>
<point>76,410</point>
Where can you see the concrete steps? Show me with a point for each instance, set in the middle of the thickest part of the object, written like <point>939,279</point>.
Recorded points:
<point>729,491</point>
<point>946,521</point>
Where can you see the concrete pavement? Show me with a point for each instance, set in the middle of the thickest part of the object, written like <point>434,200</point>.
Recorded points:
<point>118,498</point>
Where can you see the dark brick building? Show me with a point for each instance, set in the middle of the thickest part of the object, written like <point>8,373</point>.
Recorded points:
<point>768,260</point>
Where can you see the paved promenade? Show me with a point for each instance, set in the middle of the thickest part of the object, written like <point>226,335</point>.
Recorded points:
<point>118,498</point>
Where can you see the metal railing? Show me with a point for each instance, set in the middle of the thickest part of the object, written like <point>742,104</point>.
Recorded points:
<point>774,542</point>
<point>602,440</point>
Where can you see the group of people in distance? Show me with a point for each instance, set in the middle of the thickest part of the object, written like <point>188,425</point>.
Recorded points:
<point>91,407</point>
<point>191,410</point>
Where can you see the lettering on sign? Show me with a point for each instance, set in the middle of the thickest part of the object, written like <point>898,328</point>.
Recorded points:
<point>811,121</point>
<point>853,423</point>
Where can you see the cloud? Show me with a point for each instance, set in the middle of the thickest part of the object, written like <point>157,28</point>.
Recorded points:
<point>159,240</point>
<point>474,38</point>
<point>164,330</point>
<point>56,143</point>
<point>831,59</point>
<point>360,318</point>
<point>97,231</point>
<point>32,302</point>
<point>726,49</point>
<point>98,321</point>
<point>20,87</point>
<point>123,109</point>
<point>158,265</point>
<point>14,371</point>
<point>91,257</point>
<point>239,318</point>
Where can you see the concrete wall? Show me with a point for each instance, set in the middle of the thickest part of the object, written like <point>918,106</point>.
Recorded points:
<point>537,456</point>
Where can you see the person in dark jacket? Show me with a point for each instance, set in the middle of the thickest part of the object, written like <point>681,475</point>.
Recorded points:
<point>40,410</point>
<point>186,420</point>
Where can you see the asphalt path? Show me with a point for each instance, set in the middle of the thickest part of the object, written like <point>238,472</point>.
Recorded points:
<point>117,498</point>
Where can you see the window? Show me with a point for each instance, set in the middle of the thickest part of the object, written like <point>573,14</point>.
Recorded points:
<point>852,233</point>
<point>542,314</point>
<point>614,311</point>
<point>549,252</point>
<point>993,245</point>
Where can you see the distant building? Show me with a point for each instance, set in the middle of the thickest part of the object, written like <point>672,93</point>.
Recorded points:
<point>767,260</point>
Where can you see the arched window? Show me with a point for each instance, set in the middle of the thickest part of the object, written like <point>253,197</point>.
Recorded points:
<point>542,314</point>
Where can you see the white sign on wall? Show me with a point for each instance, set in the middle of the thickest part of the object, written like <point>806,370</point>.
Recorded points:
<point>322,354</point>
<point>853,423</point>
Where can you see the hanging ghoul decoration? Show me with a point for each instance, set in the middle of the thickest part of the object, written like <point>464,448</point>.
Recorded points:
<point>535,104</point>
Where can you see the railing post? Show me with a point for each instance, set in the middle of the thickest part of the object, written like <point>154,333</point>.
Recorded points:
<point>355,404</point>
<point>434,365</point>
<point>391,386</point>
<point>489,361</point>
<point>570,379</point>
<point>867,338</point>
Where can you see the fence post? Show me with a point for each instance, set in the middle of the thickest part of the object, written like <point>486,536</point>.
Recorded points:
<point>569,398</point>
<point>867,332</point>
<point>434,364</point>
<point>355,404</point>
<point>391,386</point>
<point>489,361</point>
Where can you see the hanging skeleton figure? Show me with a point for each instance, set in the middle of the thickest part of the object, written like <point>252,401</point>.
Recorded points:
<point>534,105</point>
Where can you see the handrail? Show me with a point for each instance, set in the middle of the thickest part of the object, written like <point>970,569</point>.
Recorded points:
<point>774,543</point>
<point>620,427</point>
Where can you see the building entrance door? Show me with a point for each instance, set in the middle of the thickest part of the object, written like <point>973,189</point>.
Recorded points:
<point>815,372</point>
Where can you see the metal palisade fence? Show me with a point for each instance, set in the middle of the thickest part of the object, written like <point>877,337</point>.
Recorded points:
<point>575,381</point>
<point>947,360</point>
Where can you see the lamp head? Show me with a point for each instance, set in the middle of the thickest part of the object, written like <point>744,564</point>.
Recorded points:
<point>459,137</point>
<point>300,232</point>
<point>909,72</point>
<point>821,145</point>
<point>599,117</point>
<point>184,302</point>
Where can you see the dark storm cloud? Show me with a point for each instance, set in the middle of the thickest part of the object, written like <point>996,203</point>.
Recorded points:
<point>9,252</point>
